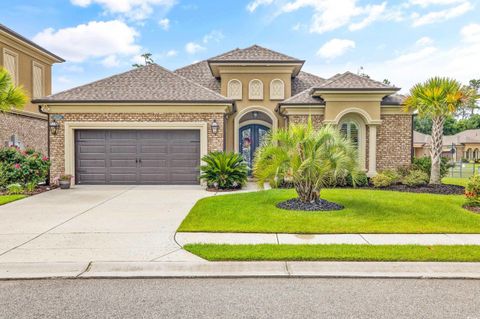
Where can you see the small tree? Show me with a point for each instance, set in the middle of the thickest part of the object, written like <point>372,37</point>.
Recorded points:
<point>148,60</point>
<point>11,96</point>
<point>437,99</point>
<point>307,157</point>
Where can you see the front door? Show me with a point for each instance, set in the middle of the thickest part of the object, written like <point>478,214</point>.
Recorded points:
<point>251,137</point>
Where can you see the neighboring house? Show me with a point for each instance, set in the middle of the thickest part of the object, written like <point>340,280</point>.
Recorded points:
<point>151,126</point>
<point>31,67</point>
<point>465,145</point>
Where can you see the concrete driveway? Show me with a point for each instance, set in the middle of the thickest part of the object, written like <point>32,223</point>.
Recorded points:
<point>97,223</point>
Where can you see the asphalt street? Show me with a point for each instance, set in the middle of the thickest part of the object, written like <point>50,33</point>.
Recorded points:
<point>240,298</point>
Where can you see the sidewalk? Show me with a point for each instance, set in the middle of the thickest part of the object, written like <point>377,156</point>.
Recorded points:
<point>359,239</point>
<point>239,269</point>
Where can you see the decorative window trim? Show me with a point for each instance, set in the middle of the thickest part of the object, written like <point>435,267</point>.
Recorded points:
<point>239,95</point>
<point>280,95</point>
<point>250,91</point>
<point>362,135</point>
<point>42,67</point>
<point>15,56</point>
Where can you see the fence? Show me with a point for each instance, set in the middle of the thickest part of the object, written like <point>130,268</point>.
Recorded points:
<point>464,170</point>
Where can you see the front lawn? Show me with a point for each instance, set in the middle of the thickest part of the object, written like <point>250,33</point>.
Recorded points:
<point>366,211</point>
<point>455,181</point>
<point>5,199</point>
<point>269,252</point>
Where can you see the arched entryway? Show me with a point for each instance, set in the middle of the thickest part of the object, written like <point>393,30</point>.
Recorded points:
<point>353,127</point>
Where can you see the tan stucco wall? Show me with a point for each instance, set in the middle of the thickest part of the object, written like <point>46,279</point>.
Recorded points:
<point>260,74</point>
<point>26,56</point>
<point>334,108</point>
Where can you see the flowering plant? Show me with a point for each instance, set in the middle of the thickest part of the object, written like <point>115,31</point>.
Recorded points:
<point>22,166</point>
<point>472,191</point>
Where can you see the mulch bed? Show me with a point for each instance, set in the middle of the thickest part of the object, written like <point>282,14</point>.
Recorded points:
<point>320,205</point>
<point>38,190</point>
<point>473,209</point>
<point>218,190</point>
<point>442,189</point>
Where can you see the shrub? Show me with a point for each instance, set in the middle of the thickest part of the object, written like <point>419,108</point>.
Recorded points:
<point>393,174</point>
<point>14,189</point>
<point>346,180</point>
<point>425,164</point>
<point>224,170</point>
<point>382,179</point>
<point>472,191</point>
<point>415,178</point>
<point>30,187</point>
<point>22,166</point>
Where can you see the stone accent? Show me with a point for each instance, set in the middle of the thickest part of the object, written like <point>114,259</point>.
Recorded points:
<point>394,141</point>
<point>30,131</point>
<point>57,142</point>
<point>317,120</point>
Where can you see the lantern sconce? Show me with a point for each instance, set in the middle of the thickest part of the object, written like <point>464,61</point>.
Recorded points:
<point>54,126</point>
<point>214,127</point>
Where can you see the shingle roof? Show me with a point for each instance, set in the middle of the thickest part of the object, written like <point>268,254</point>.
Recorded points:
<point>349,80</point>
<point>303,98</point>
<point>150,83</point>
<point>394,99</point>
<point>305,80</point>
<point>200,73</point>
<point>254,53</point>
<point>464,137</point>
<point>29,42</point>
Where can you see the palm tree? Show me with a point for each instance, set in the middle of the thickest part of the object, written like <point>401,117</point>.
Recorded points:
<point>307,157</point>
<point>11,96</point>
<point>436,99</point>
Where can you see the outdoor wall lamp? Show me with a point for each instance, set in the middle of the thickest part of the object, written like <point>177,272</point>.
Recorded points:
<point>214,127</point>
<point>54,127</point>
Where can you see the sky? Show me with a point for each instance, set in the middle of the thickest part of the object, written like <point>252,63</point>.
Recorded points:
<point>402,41</point>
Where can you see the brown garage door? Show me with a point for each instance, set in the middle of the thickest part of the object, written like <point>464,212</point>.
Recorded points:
<point>137,156</point>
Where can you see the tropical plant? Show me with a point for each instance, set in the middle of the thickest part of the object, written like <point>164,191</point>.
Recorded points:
<point>224,170</point>
<point>307,157</point>
<point>11,96</point>
<point>437,99</point>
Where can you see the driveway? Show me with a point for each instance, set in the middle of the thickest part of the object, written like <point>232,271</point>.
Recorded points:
<point>97,223</point>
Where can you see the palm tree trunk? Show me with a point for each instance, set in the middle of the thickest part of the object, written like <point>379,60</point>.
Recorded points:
<point>436,148</point>
<point>307,192</point>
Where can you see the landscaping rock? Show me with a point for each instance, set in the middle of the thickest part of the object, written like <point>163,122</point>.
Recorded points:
<point>320,205</point>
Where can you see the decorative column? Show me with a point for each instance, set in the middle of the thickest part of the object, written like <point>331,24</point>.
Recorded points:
<point>372,150</point>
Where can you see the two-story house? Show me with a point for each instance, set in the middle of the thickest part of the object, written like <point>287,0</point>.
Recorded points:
<point>152,126</point>
<point>31,67</point>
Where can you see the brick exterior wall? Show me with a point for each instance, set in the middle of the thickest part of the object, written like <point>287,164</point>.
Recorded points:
<point>57,142</point>
<point>30,131</point>
<point>303,119</point>
<point>394,141</point>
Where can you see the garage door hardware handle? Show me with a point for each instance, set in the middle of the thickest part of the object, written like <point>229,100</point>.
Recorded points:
<point>138,160</point>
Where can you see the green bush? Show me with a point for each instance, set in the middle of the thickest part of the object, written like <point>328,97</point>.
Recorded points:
<point>472,191</point>
<point>425,164</point>
<point>382,180</point>
<point>14,189</point>
<point>22,167</point>
<point>415,178</point>
<point>224,170</point>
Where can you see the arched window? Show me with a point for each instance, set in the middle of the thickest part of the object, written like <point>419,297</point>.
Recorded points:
<point>234,89</point>
<point>468,154</point>
<point>277,90</point>
<point>255,90</point>
<point>350,130</point>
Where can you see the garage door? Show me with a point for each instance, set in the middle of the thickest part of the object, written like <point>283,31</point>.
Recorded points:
<point>137,156</point>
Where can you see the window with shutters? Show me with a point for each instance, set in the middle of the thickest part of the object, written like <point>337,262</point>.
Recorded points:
<point>349,129</point>
<point>234,89</point>
<point>277,90</point>
<point>37,80</point>
<point>255,90</point>
<point>10,63</point>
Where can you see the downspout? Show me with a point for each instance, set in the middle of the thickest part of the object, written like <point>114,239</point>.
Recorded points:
<point>48,139</point>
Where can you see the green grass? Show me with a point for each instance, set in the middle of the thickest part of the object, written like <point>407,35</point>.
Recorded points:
<point>271,252</point>
<point>366,211</point>
<point>455,181</point>
<point>5,199</point>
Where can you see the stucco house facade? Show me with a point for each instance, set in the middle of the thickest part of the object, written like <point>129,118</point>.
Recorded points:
<point>30,67</point>
<point>151,125</point>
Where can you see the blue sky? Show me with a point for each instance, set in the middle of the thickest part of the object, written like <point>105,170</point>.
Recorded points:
<point>403,41</point>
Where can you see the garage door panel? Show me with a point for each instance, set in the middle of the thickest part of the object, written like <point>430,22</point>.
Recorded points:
<point>137,156</point>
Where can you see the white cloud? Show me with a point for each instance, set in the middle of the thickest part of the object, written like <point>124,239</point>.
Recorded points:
<point>64,80</point>
<point>374,13</point>
<point>441,15</point>
<point>252,6</point>
<point>214,35</point>
<point>165,24</point>
<point>193,48</point>
<point>424,41</point>
<point>133,9</point>
<point>426,3</point>
<point>171,53</point>
<point>415,56</point>
<point>335,48</point>
<point>111,61</point>
<point>471,33</point>
<point>91,40</point>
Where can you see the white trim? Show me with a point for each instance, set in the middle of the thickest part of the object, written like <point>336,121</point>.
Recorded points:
<point>260,122</point>
<point>237,97</point>
<point>236,122</point>
<point>250,97</point>
<point>372,150</point>
<point>70,128</point>
<point>354,110</point>
<point>277,97</point>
